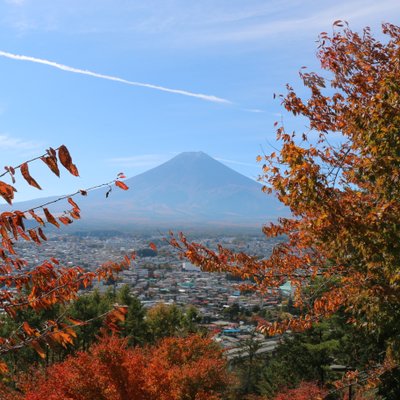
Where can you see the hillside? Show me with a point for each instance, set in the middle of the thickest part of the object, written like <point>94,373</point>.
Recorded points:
<point>190,189</point>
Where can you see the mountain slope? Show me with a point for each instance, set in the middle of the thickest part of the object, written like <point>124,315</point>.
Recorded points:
<point>190,189</point>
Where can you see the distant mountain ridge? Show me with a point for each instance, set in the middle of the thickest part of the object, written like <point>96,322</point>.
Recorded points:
<point>190,189</point>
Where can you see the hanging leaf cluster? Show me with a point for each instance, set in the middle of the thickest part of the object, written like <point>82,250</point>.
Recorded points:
<point>49,283</point>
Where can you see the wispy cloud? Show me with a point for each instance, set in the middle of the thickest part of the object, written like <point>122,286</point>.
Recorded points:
<point>74,70</point>
<point>254,110</point>
<point>8,142</point>
<point>16,2</point>
<point>145,160</point>
<point>224,160</point>
<point>189,23</point>
<point>304,19</point>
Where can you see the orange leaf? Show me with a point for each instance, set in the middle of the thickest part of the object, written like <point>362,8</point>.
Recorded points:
<point>51,152</point>
<point>18,219</point>
<point>113,327</point>
<point>11,171</point>
<point>119,315</point>
<point>3,368</point>
<point>74,214</point>
<point>41,234</point>
<point>27,176</point>
<point>73,204</point>
<point>121,185</point>
<point>50,217</point>
<point>153,246</point>
<point>51,162</point>
<point>7,192</point>
<point>4,232</point>
<point>38,349</point>
<point>123,309</point>
<point>65,220</point>
<point>66,160</point>
<point>75,321</point>
<point>36,217</point>
<point>22,233</point>
<point>27,328</point>
<point>34,236</point>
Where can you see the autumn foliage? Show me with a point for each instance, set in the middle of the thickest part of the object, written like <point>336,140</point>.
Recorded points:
<point>49,283</point>
<point>175,368</point>
<point>341,180</point>
<point>305,391</point>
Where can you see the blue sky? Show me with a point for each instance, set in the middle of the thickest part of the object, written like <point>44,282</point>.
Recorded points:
<point>232,55</point>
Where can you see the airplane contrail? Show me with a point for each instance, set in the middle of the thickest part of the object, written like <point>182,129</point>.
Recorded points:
<point>63,67</point>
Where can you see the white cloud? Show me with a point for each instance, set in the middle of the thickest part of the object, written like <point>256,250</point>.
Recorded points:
<point>313,20</point>
<point>74,70</point>
<point>224,160</point>
<point>15,144</point>
<point>16,2</point>
<point>254,110</point>
<point>179,22</point>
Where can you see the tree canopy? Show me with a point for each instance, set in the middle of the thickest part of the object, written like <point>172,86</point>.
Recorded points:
<point>340,179</point>
<point>174,369</point>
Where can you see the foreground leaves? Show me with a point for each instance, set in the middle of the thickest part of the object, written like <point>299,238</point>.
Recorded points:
<point>176,368</point>
<point>341,181</point>
<point>48,284</point>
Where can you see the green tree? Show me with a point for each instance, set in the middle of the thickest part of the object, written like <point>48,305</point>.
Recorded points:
<point>248,365</point>
<point>22,359</point>
<point>135,326</point>
<point>191,320</point>
<point>164,321</point>
<point>88,307</point>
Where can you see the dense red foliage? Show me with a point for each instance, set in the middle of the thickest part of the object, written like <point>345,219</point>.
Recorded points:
<point>305,391</point>
<point>176,368</point>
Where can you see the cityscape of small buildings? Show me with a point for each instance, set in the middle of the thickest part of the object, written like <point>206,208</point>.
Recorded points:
<point>163,277</point>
